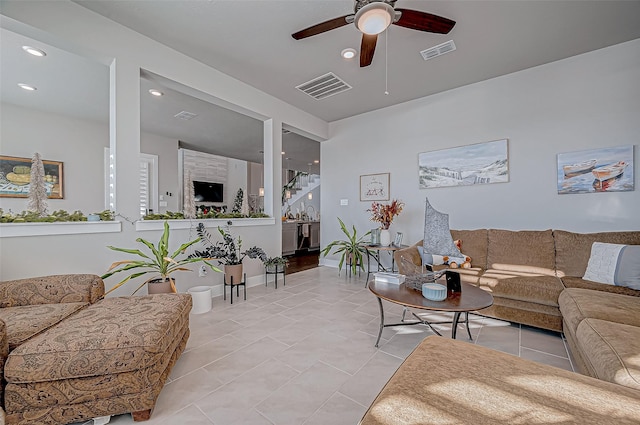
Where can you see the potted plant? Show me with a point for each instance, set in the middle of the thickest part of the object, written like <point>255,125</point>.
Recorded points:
<point>275,264</point>
<point>227,252</point>
<point>158,262</point>
<point>353,249</point>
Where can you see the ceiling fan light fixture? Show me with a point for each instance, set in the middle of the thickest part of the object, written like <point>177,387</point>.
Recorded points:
<point>374,18</point>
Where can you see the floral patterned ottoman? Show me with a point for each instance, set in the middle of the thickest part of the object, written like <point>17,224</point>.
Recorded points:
<point>111,358</point>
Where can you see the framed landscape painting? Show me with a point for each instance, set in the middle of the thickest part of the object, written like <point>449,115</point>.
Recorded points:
<point>596,170</point>
<point>15,176</point>
<point>482,163</point>
<point>374,187</point>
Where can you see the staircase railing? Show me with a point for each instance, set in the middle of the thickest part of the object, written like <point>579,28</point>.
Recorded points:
<point>295,183</point>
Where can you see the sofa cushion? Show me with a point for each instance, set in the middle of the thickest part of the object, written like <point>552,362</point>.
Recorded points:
<point>26,321</point>
<point>41,395</point>
<point>444,381</point>
<point>67,288</point>
<point>474,244</point>
<point>528,287</point>
<point>573,249</point>
<point>577,304</point>
<point>112,336</point>
<point>614,264</point>
<point>578,282</point>
<point>611,350</point>
<point>526,250</point>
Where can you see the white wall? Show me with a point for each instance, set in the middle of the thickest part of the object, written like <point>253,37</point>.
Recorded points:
<point>236,179</point>
<point>79,144</point>
<point>68,25</point>
<point>168,180</point>
<point>585,102</point>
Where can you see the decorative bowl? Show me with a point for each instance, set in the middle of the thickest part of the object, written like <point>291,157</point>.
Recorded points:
<point>434,291</point>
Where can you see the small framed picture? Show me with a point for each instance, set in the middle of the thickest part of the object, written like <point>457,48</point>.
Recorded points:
<point>398,239</point>
<point>374,187</point>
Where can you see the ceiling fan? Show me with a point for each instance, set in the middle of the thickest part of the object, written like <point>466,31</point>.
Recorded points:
<point>372,17</point>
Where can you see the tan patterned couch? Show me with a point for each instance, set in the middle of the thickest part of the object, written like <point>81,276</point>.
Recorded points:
<point>73,356</point>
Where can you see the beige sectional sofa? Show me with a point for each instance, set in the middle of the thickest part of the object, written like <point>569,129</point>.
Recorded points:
<point>527,270</point>
<point>70,355</point>
<point>445,381</point>
<point>536,279</point>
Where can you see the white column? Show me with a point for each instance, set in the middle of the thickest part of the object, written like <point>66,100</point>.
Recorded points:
<point>124,135</point>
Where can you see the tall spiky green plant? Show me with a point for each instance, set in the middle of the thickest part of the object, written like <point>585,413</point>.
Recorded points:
<point>158,262</point>
<point>353,246</point>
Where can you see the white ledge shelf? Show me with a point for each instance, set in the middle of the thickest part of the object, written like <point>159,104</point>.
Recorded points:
<point>145,225</point>
<point>17,230</point>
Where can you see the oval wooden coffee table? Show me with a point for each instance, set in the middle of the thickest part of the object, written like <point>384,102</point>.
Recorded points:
<point>471,298</point>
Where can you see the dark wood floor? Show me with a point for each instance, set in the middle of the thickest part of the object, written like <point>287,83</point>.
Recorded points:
<point>303,261</point>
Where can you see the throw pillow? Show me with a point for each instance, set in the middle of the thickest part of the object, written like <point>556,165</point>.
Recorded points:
<point>436,260</point>
<point>437,236</point>
<point>614,264</point>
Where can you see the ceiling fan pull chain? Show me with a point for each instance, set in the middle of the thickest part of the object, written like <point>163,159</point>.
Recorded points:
<point>386,62</point>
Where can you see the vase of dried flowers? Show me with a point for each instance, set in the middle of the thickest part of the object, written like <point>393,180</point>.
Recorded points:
<point>384,214</point>
<point>385,237</point>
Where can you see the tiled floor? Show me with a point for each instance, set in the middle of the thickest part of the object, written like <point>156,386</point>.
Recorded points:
<point>304,354</point>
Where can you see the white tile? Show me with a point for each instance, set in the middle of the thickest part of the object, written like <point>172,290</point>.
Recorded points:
<point>303,354</point>
<point>299,398</point>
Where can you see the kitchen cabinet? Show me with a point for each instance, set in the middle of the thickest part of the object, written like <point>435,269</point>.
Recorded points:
<point>289,238</point>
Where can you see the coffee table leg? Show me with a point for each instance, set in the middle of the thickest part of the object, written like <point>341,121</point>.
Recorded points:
<point>454,325</point>
<point>368,268</point>
<point>467,323</point>
<point>381,321</point>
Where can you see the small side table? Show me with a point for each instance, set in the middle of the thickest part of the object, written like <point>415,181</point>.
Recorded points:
<point>277,269</point>
<point>377,248</point>
<point>237,285</point>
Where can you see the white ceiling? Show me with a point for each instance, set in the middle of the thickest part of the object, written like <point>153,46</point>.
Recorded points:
<point>251,41</point>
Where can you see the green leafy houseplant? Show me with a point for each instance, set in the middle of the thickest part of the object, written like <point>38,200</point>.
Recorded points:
<point>353,248</point>
<point>158,262</point>
<point>228,251</point>
<point>275,263</point>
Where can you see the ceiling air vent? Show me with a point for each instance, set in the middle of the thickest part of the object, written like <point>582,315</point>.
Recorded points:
<point>438,50</point>
<point>324,86</point>
<point>285,131</point>
<point>184,115</point>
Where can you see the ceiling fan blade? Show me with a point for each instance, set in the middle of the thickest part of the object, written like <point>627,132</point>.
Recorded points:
<point>367,48</point>
<point>331,24</point>
<point>423,21</point>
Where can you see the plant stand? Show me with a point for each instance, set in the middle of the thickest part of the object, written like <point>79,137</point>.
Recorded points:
<point>277,269</point>
<point>237,285</point>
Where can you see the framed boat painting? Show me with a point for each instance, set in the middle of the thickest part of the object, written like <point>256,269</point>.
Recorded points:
<point>15,176</point>
<point>596,170</point>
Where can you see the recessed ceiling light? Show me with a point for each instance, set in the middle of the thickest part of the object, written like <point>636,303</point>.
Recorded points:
<point>348,53</point>
<point>27,87</point>
<point>34,51</point>
<point>316,161</point>
<point>156,92</point>
<point>282,152</point>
